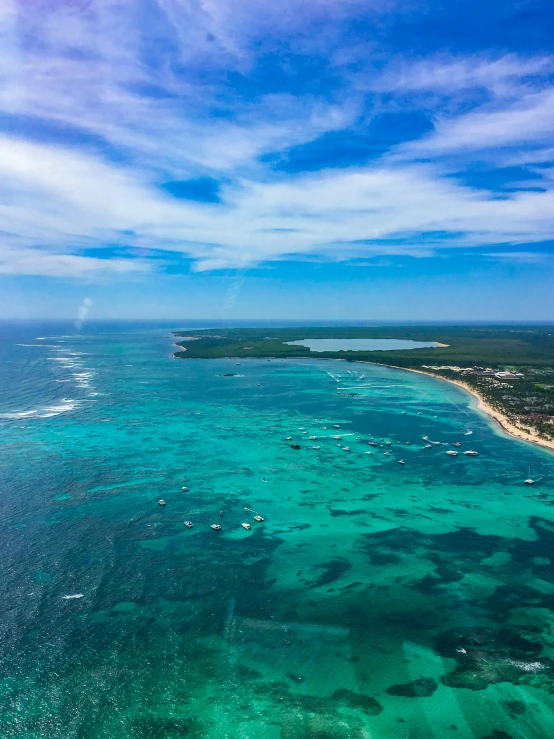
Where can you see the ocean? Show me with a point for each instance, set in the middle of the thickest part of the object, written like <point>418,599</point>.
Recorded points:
<point>376,600</point>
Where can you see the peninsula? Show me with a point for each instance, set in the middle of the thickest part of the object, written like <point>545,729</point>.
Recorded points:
<point>509,369</point>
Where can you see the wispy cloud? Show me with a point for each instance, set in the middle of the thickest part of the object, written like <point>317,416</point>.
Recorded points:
<point>24,261</point>
<point>448,75</point>
<point>527,121</point>
<point>519,257</point>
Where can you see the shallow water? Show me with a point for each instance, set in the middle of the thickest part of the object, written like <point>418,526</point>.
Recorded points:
<point>368,345</point>
<point>375,600</point>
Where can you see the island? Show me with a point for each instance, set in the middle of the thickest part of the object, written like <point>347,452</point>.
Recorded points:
<point>509,369</point>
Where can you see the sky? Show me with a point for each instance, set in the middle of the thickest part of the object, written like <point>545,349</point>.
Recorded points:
<point>334,159</point>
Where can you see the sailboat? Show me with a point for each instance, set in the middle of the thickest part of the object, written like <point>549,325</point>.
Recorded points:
<point>529,480</point>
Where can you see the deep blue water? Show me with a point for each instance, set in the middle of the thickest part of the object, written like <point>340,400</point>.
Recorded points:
<point>375,599</point>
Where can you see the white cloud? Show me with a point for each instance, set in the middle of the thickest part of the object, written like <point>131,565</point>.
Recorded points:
<point>89,73</point>
<point>50,264</point>
<point>519,257</point>
<point>448,75</point>
<point>528,121</point>
<point>84,72</point>
<point>75,198</point>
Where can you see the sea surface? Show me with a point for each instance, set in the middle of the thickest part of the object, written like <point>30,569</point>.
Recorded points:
<point>376,600</point>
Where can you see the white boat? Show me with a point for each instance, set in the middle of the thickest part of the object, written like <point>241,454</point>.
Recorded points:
<point>529,481</point>
<point>346,448</point>
<point>289,438</point>
<point>312,438</point>
<point>387,454</point>
<point>215,527</point>
<point>452,453</point>
<point>471,453</point>
<point>427,446</point>
<point>258,518</point>
<point>389,443</point>
<point>301,428</point>
<point>456,443</point>
<point>408,443</point>
<point>401,461</point>
<point>369,452</point>
<point>188,524</point>
<point>316,447</point>
<point>161,502</point>
<point>185,488</point>
<point>338,438</point>
<point>246,526</point>
<point>336,426</point>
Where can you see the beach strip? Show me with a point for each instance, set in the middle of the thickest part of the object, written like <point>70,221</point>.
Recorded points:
<point>482,405</point>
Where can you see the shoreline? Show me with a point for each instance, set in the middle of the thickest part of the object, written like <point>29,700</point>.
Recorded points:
<point>483,406</point>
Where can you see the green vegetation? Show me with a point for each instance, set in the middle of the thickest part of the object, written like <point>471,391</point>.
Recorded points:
<point>528,401</point>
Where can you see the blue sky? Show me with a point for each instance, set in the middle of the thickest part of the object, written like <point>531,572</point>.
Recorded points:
<point>238,158</point>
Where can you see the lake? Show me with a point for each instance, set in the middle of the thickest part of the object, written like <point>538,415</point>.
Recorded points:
<point>358,345</point>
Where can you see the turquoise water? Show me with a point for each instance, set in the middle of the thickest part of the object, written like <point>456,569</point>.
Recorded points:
<point>368,345</point>
<point>376,600</point>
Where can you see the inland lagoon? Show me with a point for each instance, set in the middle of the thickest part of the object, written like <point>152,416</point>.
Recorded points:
<point>375,600</point>
<point>354,345</point>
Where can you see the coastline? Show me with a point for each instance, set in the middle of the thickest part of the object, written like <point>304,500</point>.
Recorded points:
<point>482,405</point>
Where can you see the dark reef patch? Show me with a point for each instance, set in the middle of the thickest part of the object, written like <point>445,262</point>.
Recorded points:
<point>423,687</point>
<point>336,512</point>
<point>515,707</point>
<point>356,700</point>
<point>333,570</point>
<point>384,558</point>
<point>294,677</point>
<point>248,673</point>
